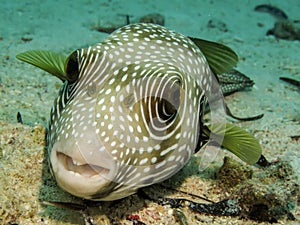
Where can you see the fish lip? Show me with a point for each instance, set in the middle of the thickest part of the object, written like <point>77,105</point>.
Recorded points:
<point>83,180</point>
<point>81,168</point>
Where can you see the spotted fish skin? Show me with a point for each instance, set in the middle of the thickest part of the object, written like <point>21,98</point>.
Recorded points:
<point>130,116</point>
<point>233,81</point>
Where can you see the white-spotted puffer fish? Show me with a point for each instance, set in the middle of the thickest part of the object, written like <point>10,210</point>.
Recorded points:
<point>129,112</point>
<point>130,118</point>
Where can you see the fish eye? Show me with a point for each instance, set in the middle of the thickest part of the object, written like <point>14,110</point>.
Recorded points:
<point>72,67</point>
<point>171,106</point>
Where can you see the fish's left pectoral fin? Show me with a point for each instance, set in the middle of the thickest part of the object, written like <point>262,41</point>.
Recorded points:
<point>220,57</point>
<point>239,142</point>
<point>50,62</point>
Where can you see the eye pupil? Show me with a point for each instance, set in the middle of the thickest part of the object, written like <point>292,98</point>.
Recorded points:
<point>171,104</point>
<point>71,67</point>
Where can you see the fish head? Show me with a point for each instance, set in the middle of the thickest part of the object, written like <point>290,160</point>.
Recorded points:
<point>128,115</point>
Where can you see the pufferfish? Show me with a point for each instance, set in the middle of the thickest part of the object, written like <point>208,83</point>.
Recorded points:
<point>129,112</point>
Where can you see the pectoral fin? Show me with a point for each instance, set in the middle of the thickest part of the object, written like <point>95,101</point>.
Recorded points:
<point>50,62</point>
<point>238,141</point>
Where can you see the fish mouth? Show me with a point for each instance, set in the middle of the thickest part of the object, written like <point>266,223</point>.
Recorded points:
<point>80,168</point>
<point>79,175</point>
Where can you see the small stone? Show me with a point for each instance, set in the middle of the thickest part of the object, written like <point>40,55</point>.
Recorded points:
<point>155,18</point>
<point>217,24</point>
<point>233,173</point>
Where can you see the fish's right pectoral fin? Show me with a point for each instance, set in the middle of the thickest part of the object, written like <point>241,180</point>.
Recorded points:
<point>50,62</point>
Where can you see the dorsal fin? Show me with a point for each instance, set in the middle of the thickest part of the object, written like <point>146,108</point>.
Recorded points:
<point>220,58</point>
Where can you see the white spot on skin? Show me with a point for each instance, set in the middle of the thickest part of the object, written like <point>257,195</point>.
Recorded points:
<point>153,160</point>
<point>101,101</point>
<point>124,77</point>
<point>131,129</point>
<point>109,126</point>
<point>143,161</point>
<point>147,169</point>
<point>114,151</point>
<point>118,87</point>
<point>139,129</point>
<point>149,149</point>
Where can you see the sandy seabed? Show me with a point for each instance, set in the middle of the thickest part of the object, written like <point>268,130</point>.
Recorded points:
<point>64,26</point>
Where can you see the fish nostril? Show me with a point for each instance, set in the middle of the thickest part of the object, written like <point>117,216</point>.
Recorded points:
<point>81,168</point>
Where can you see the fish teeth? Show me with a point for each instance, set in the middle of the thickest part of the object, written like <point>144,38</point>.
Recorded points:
<point>78,163</point>
<point>75,174</point>
<point>94,176</point>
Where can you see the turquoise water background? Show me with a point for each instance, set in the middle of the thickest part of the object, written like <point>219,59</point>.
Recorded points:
<point>64,26</point>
